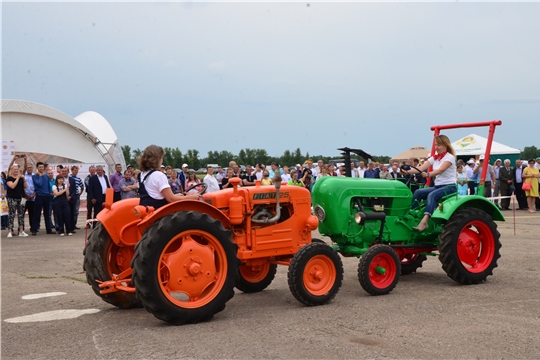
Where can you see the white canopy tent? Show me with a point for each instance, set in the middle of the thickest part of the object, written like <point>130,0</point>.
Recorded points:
<point>473,145</point>
<point>51,136</point>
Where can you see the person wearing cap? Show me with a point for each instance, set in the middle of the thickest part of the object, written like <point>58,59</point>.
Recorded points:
<point>183,174</point>
<point>444,171</point>
<point>154,188</point>
<point>471,164</point>
<point>506,179</point>
<point>496,169</point>
<point>489,185</point>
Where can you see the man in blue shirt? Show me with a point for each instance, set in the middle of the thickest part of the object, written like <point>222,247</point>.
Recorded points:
<point>370,172</point>
<point>41,185</point>
<point>30,191</point>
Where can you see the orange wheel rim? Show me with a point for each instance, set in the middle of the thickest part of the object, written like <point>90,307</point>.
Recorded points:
<point>319,275</point>
<point>119,258</point>
<point>254,274</point>
<point>192,269</point>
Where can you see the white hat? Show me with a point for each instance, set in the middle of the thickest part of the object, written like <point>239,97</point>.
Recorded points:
<point>470,162</point>
<point>481,157</point>
<point>185,165</point>
<point>298,165</point>
<point>498,160</point>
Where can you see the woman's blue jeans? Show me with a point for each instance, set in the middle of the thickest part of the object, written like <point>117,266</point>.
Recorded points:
<point>433,195</point>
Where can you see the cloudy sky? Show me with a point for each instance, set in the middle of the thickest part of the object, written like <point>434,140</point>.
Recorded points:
<point>280,76</point>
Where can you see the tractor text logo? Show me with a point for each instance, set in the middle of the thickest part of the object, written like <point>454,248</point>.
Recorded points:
<point>466,141</point>
<point>269,195</point>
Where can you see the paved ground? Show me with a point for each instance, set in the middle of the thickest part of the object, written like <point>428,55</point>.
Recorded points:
<point>426,316</point>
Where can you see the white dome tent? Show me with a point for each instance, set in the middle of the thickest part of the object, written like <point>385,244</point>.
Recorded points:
<point>53,137</point>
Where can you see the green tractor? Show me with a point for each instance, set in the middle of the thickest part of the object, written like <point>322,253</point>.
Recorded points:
<point>372,219</point>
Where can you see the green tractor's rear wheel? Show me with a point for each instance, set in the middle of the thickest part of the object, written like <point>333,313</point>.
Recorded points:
<point>379,269</point>
<point>411,262</point>
<point>185,268</point>
<point>315,274</point>
<point>103,259</point>
<point>255,278</point>
<point>469,246</point>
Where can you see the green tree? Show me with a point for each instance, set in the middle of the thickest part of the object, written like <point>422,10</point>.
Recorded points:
<point>530,152</point>
<point>192,159</point>
<point>286,159</point>
<point>126,150</point>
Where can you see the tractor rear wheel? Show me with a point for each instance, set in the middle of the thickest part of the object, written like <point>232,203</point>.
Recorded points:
<point>469,246</point>
<point>315,274</point>
<point>185,268</point>
<point>379,269</point>
<point>255,279</point>
<point>103,259</point>
<point>411,262</point>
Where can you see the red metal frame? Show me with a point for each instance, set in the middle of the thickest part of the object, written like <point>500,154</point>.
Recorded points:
<point>492,124</point>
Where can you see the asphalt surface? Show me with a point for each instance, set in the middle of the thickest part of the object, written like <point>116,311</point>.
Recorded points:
<point>426,316</point>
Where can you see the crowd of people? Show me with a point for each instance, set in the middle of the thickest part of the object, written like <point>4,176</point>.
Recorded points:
<point>57,196</point>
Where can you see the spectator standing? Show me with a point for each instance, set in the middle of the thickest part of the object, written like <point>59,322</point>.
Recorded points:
<point>128,186</point>
<point>115,182</point>
<point>174,182</point>
<point>286,174</point>
<point>294,179</point>
<point>210,181</point>
<point>52,181</point>
<point>219,175</point>
<point>41,185</point>
<point>370,173</point>
<point>225,184</point>
<point>469,171</point>
<point>506,177</point>
<point>192,180</point>
<point>383,174</point>
<point>16,185</point>
<point>537,165</point>
<point>61,203</point>
<point>90,206</point>
<point>5,217</point>
<point>97,187</point>
<point>530,176</point>
<point>490,174</point>
<point>273,168</point>
<point>461,179</point>
<point>307,178</point>
<point>183,174</point>
<point>258,171</point>
<point>266,179</point>
<point>361,169</point>
<point>497,189</point>
<point>30,191</point>
<point>249,178</point>
<point>518,183</point>
<point>76,186</point>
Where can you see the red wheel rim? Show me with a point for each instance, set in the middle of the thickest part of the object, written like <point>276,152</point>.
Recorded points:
<point>382,262</point>
<point>476,246</point>
<point>319,275</point>
<point>119,258</point>
<point>254,274</point>
<point>192,269</point>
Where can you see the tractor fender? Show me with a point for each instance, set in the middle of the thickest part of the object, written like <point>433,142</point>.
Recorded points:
<point>183,205</point>
<point>120,219</point>
<point>450,206</point>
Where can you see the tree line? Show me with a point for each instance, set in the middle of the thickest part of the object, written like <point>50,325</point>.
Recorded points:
<point>175,157</point>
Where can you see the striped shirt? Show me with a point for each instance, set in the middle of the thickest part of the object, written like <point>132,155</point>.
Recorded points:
<point>79,184</point>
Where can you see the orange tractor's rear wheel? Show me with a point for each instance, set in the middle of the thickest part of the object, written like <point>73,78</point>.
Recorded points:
<point>255,278</point>
<point>185,268</point>
<point>103,259</point>
<point>315,274</point>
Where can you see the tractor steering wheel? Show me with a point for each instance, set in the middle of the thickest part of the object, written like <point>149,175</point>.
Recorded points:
<point>200,192</point>
<point>409,178</point>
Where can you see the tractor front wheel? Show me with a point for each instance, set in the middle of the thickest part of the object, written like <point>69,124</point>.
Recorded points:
<point>103,259</point>
<point>315,274</point>
<point>410,263</point>
<point>469,246</point>
<point>185,268</point>
<point>255,278</point>
<point>379,269</point>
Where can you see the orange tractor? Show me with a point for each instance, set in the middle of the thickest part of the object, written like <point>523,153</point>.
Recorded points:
<point>182,261</point>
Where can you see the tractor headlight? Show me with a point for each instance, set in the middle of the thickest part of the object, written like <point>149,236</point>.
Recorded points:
<point>319,212</point>
<point>359,218</point>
